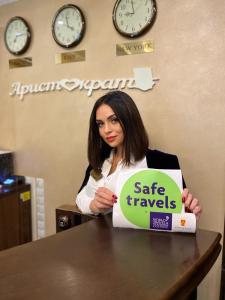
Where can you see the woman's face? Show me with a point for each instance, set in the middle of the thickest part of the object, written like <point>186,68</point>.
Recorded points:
<point>109,126</point>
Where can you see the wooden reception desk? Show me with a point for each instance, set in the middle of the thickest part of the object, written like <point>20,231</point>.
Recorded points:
<point>96,261</point>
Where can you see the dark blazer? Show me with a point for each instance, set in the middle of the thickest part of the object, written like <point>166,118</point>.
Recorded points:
<point>155,159</point>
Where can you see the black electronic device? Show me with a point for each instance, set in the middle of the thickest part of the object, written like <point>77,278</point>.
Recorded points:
<point>6,165</point>
<point>13,180</point>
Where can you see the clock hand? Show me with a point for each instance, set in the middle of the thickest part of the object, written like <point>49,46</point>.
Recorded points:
<point>66,21</point>
<point>128,14</point>
<point>20,33</point>
<point>133,11</point>
<point>17,35</point>
<point>67,24</point>
<point>132,3</point>
<point>71,27</point>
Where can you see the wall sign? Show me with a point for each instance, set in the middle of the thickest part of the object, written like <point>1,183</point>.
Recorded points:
<point>142,80</point>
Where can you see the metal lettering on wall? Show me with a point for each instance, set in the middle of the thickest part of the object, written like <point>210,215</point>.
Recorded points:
<point>134,48</point>
<point>20,62</point>
<point>68,57</point>
<point>142,79</point>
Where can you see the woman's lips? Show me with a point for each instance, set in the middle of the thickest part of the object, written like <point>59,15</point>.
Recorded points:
<point>111,138</point>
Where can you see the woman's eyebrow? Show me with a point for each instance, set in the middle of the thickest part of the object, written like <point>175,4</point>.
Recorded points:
<point>111,116</point>
<point>108,118</point>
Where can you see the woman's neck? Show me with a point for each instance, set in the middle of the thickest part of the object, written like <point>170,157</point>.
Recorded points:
<point>118,153</point>
<point>117,157</point>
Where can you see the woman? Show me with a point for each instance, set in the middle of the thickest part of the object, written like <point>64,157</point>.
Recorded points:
<point>117,142</point>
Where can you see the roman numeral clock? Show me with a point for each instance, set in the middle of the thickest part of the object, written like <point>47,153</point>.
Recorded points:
<point>133,18</point>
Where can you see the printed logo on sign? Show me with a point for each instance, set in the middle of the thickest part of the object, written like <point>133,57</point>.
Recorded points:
<point>160,221</point>
<point>182,222</point>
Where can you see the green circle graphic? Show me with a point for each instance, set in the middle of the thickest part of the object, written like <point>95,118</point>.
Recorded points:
<point>149,191</point>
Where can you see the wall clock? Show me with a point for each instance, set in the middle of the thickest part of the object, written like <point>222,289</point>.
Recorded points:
<point>68,26</point>
<point>17,35</point>
<point>133,18</point>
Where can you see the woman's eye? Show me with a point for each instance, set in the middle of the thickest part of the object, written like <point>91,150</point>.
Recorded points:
<point>114,120</point>
<point>99,124</point>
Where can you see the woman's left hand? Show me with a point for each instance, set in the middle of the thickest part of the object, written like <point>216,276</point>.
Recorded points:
<point>191,204</point>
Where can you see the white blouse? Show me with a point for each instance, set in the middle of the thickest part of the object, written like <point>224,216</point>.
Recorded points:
<point>87,194</point>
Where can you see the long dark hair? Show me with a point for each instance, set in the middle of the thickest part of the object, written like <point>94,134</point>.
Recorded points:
<point>135,136</point>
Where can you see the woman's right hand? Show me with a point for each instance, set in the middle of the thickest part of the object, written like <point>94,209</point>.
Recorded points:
<point>104,200</point>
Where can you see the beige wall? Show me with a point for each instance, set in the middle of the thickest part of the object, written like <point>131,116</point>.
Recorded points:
<point>184,113</point>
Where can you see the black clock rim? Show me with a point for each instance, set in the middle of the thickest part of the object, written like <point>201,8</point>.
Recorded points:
<point>77,41</point>
<point>141,32</point>
<point>28,41</point>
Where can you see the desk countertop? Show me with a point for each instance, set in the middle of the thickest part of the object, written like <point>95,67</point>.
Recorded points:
<point>96,261</point>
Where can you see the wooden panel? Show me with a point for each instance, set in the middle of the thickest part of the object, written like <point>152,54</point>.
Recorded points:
<point>15,217</point>
<point>25,218</point>
<point>9,221</point>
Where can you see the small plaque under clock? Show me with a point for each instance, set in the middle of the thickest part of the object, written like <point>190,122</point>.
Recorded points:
<point>69,57</point>
<point>20,62</point>
<point>134,48</point>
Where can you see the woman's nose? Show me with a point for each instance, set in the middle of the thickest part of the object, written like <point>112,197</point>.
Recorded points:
<point>107,128</point>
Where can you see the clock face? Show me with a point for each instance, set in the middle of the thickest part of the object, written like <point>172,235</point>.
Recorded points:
<point>68,26</point>
<point>17,35</point>
<point>132,18</point>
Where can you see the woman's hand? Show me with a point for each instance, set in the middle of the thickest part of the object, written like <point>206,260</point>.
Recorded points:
<point>191,204</point>
<point>104,199</point>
